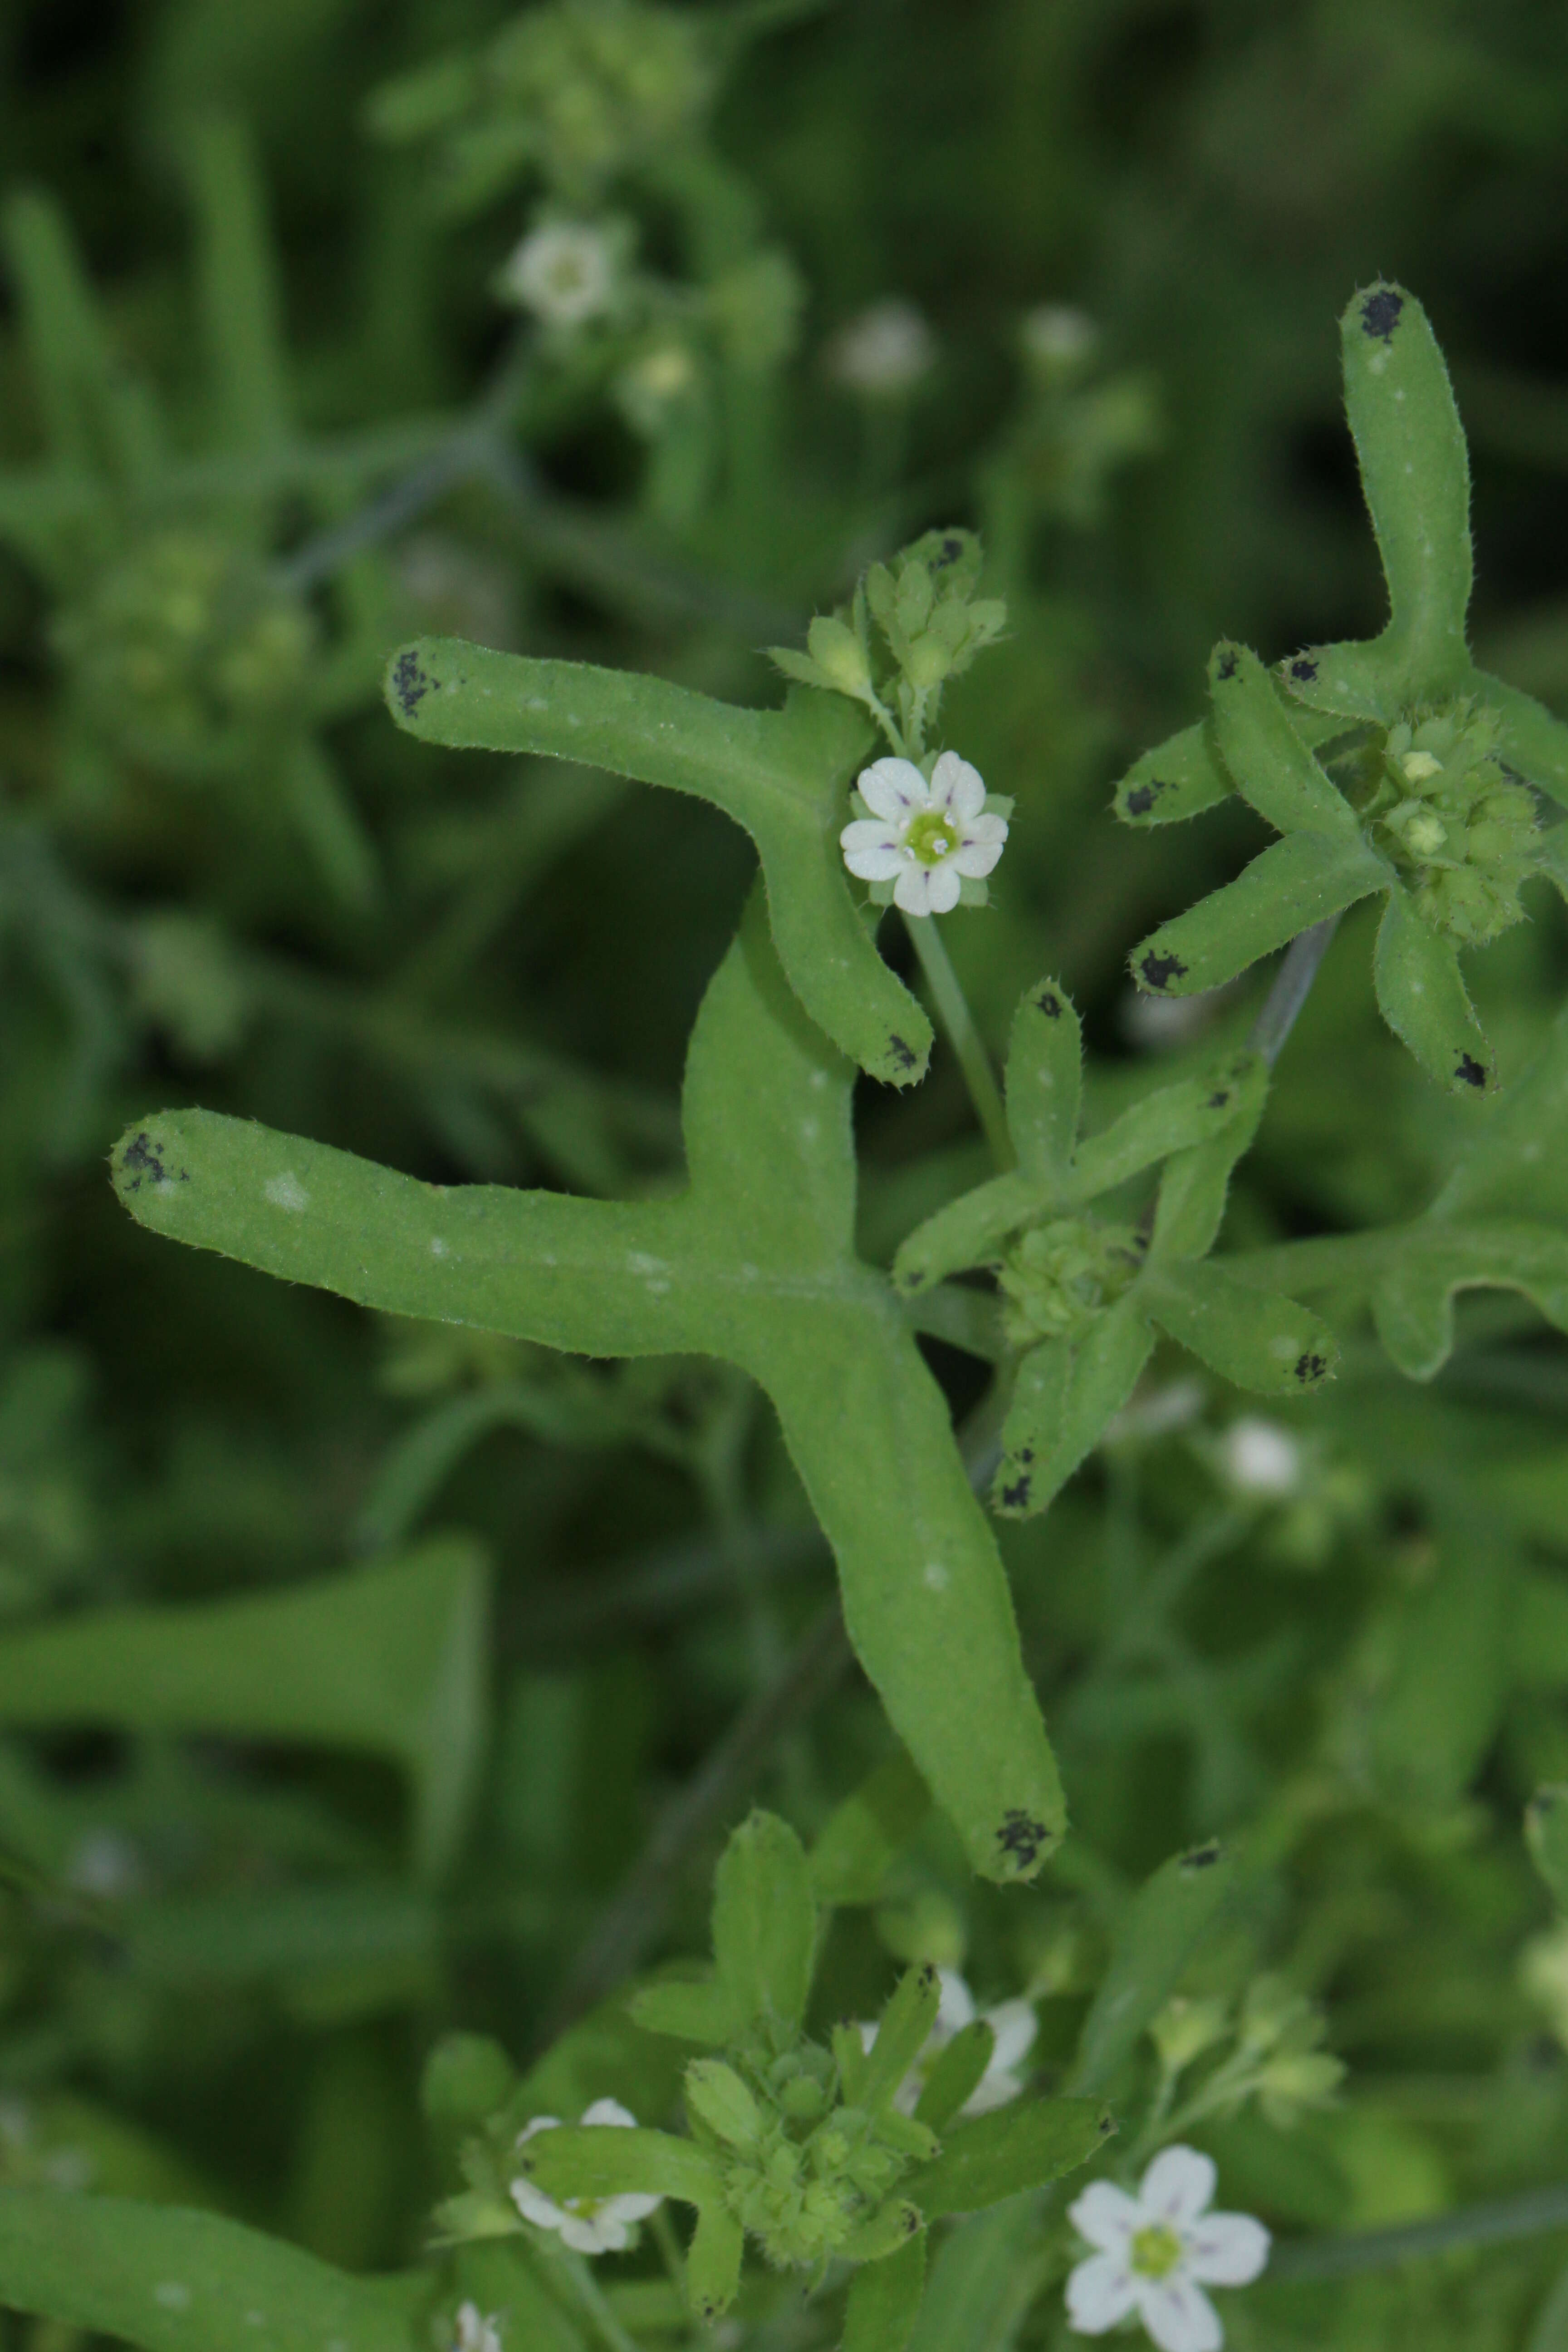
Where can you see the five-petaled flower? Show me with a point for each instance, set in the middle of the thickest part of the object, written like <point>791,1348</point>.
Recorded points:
<point>1014,2026</point>
<point>589,2225</point>
<point>564,271</point>
<point>1156,2253</point>
<point>477,2331</point>
<point>923,838</point>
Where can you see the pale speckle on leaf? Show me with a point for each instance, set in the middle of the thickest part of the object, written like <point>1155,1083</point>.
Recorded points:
<point>286,1191</point>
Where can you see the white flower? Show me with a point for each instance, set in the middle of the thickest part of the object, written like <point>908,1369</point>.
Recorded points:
<point>564,272</point>
<point>1156,2253</point>
<point>1261,1458</point>
<point>477,2332</point>
<point>1059,338</point>
<point>883,351</point>
<point>922,837</point>
<point>589,2225</point>
<point>1014,2026</point>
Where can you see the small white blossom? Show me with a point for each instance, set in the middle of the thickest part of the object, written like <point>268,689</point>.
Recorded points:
<point>564,272</point>
<point>923,837</point>
<point>883,351</point>
<point>1261,1458</point>
<point>1014,2026</point>
<point>477,2331</point>
<point>1156,2253</point>
<point>589,2225</point>
<point>1059,338</point>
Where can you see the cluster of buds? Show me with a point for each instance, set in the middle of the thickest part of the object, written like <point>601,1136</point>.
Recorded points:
<point>1275,2056</point>
<point>1059,1278</point>
<point>1457,820</point>
<point>186,657</point>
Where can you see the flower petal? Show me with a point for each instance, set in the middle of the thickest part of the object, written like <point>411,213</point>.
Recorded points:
<point>1106,2216</point>
<point>944,887</point>
<point>1013,2023</point>
<point>1177,2185</point>
<point>871,849</point>
<point>536,2124</point>
<point>634,2205</point>
<point>534,2205</point>
<point>1225,2249</point>
<point>913,890</point>
<point>1100,2293</point>
<point>610,2111</point>
<point>955,2009</point>
<point>894,789</point>
<point>1179,2315</point>
<point>601,2235</point>
<point>975,858</point>
<point>994,2088</point>
<point>955,785</point>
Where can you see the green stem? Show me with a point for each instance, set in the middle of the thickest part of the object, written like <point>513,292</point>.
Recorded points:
<point>952,1010</point>
<point>606,2326</point>
<point>1528,2216</point>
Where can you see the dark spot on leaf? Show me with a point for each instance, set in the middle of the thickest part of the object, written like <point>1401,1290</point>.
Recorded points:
<point>1025,1454</point>
<point>1106,2125</point>
<point>900,1054</point>
<point>1141,799</point>
<point>1015,1496</point>
<point>1310,1368</point>
<point>1022,1836</point>
<point>951,548</point>
<point>1227,667</point>
<point>928,1975</point>
<point>409,683</point>
<point>1218,1100</point>
<point>1303,670</point>
<point>1471,1071</point>
<point>1202,1857</point>
<point>911,2220</point>
<point>1380,314</point>
<point>1160,970</point>
<point>1050,1003</point>
<point>141,1162</point>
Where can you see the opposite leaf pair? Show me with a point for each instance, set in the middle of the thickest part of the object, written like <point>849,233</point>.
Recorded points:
<point>1085,1297</point>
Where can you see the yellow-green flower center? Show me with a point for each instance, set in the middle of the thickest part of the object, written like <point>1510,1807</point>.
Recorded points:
<point>1156,2251</point>
<point>931,837</point>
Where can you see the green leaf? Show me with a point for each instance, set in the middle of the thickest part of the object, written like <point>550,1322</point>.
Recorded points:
<point>1427,1265</point>
<point>1170,1119</point>
<point>1533,740</point>
<point>1289,887</point>
<point>1546,1834</point>
<point>1254,1337</point>
<point>1512,1160</point>
<point>1063,1398</point>
<point>1272,766</point>
<point>1439,1711</point>
<point>713,2262</point>
<point>754,1264</point>
<point>242,306</point>
<point>970,1231</point>
<point>1045,1083</point>
<point>1021,2146</point>
<point>388,1660</point>
<point>1422,997</point>
<point>971,2291</point>
<point>689,2012</point>
<point>864,1836</point>
<point>173,2281</point>
<point>609,2160</point>
<point>885,2300</point>
<point>902,2033</point>
<point>1183,775</point>
<point>95,416</point>
<point>1162,1927</point>
<point>783,775</point>
<point>956,2076</point>
<point>764,1923</point>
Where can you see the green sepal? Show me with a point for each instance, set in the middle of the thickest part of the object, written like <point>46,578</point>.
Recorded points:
<point>1063,1399</point>
<point>1182,776</point>
<point>1021,2146</point>
<point>1170,1119</point>
<point>864,1836</point>
<point>609,2160</point>
<point>1045,1083</point>
<point>713,2262</point>
<point>956,2076</point>
<point>689,2011</point>
<point>764,1923</point>
<point>1254,1339</point>
<point>885,2299</point>
<point>1421,994</point>
<point>1273,768</point>
<point>1289,887</point>
<point>1156,1936</point>
<point>902,2033</point>
<point>1546,1835</point>
<point>781,774</point>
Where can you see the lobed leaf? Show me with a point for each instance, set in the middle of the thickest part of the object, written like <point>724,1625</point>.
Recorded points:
<point>1289,887</point>
<point>783,775</point>
<point>1427,1265</point>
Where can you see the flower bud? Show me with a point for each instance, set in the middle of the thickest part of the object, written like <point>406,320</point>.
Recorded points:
<point>840,655</point>
<point>716,2095</point>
